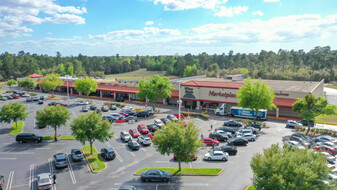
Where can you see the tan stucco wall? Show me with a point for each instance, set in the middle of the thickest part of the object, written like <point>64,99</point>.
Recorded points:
<point>318,91</point>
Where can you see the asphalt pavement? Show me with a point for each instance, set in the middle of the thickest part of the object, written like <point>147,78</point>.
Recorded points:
<point>21,163</point>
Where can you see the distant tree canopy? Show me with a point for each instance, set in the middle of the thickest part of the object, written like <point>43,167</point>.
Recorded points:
<point>317,64</point>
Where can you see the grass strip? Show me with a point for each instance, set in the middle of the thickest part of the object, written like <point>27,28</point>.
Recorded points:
<point>186,171</point>
<point>48,137</point>
<point>326,118</point>
<point>16,129</point>
<point>94,159</point>
<point>68,138</point>
<point>331,86</point>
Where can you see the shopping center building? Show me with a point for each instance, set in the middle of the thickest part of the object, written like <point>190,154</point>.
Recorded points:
<point>201,93</point>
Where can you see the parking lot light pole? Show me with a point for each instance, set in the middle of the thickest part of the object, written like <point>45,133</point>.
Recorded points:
<point>179,101</point>
<point>67,89</point>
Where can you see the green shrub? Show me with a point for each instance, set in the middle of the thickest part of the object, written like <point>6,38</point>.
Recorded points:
<point>121,105</point>
<point>193,114</point>
<point>9,91</point>
<point>32,94</point>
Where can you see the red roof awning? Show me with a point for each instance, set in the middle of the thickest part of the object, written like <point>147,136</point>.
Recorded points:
<point>34,75</point>
<point>284,102</point>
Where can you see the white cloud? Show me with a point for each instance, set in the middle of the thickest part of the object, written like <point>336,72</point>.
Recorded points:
<point>19,14</point>
<point>231,11</point>
<point>147,32</point>
<point>175,5</point>
<point>148,23</point>
<point>271,1</point>
<point>259,13</point>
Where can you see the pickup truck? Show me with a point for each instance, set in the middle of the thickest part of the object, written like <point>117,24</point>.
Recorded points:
<point>219,135</point>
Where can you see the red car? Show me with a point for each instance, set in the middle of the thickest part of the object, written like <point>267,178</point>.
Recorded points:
<point>134,133</point>
<point>151,135</point>
<point>143,129</point>
<point>181,116</point>
<point>328,149</point>
<point>15,96</point>
<point>63,104</point>
<point>210,141</point>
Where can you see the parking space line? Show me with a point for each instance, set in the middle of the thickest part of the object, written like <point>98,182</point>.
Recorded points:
<point>73,179</point>
<point>31,177</point>
<point>43,148</point>
<point>133,154</point>
<point>190,165</point>
<point>10,180</point>
<point>117,155</point>
<point>17,152</point>
<point>50,165</point>
<point>7,158</point>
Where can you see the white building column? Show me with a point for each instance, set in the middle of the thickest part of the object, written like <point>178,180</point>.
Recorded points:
<point>164,101</point>
<point>277,112</point>
<point>71,91</point>
<point>198,105</point>
<point>100,94</point>
<point>115,95</point>
<point>80,93</point>
<point>129,97</point>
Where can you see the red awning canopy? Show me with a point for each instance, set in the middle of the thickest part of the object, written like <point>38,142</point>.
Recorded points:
<point>34,75</point>
<point>284,102</point>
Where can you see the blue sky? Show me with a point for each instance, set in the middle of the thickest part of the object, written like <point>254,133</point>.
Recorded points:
<point>165,27</point>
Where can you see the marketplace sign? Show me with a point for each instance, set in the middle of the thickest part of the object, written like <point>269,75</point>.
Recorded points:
<point>226,95</point>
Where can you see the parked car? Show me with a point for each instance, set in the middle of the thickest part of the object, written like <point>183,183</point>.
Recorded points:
<point>155,175</point>
<point>150,111</point>
<point>331,159</point>
<point>172,118</point>
<point>219,135</point>
<point>133,145</point>
<point>295,144</point>
<point>137,110</point>
<point>165,120</point>
<point>177,116</point>
<point>151,135</point>
<point>131,118</point>
<point>238,141</point>
<point>327,143</point>
<point>210,141</point>
<point>76,154</point>
<point>305,122</point>
<point>134,133</point>
<point>60,160</point>
<point>254,130</point>
<point>158,122</point>
<point>41,102</point>
<point>325,139</point>
<point>15,96</point>
<point>64,104</point>
<point>216,155</point>
<point>302,141</point>
<point>82,103</point>
<point>193,157</point>
<point>293,124</point>
<point>41,97</point>
<point>108,153</point>
<point>129,112</point>
<point>27,99</point>
<point>327,149</point>
<point>3,98</point>
<point>143,114</point>
<point>28,137</point>
<point>244,131</point>
<point>231,150</point>
<point>53,104</point>
<point>35,98</point>
<point>84,109</point>
<point>116,116</point>
<point>93,107</point>
<point>232,123</point>
<point>109,118</point>
<point>249,136</point>
<point>105,108</point>
<point>9,97</point>
<point>227,130</point>
<point>44,181</point>
<point>113,107</point>
<point>144,140</point>
<point>25,95</point>
<point>119,99</point>
<point>143,129</point>
<point>2,182</point>
<point>332,177</point>
<point>125,136</point>
<point>152,127</point>
<point>98,110</point>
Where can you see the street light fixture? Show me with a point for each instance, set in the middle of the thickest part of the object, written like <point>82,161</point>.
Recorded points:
<point>67,89</point>
<point>179,101</point>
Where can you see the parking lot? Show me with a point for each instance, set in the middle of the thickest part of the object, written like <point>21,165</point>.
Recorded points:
<point>21,163</point>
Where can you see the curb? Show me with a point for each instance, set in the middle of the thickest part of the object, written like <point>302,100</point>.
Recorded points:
<point>89,166</point>
<point>327,123</point>
<point>201,175</point>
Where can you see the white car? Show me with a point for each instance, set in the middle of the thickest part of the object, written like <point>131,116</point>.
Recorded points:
<point>332,177</point>
<point>172,117</point>
<point>158,122</point>
<point>223,133</point>
<point>293,124</point>
<point>44,181</point>
<point>331,159</point>
<point>82,103</point>
<point>244,131</point>
<point>216,155</point>
<point>125,136</point>
<point>144,140</point>
<point>249,136</point>
<point>25,95</point>
<point>295,144</point>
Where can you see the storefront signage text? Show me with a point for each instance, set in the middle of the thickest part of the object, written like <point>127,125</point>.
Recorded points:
<point>226,95</point>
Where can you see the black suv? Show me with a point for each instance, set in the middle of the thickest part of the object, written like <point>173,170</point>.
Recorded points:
<point>108,153</point>
<point>28,137</point>
<point>233,123</point>
<point>143,114</point>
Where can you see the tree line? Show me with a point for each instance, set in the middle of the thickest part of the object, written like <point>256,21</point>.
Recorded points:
<point>317,64</point>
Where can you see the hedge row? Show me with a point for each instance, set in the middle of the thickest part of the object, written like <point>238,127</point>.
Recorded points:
<point>121,105</point>
<point>320,131</point>
<point>193,114</point>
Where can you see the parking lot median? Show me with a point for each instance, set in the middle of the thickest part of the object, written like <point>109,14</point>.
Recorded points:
<point>16,129</point>
<point>187,171</point>
<point>61,137</point>
<point>94,160</point>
